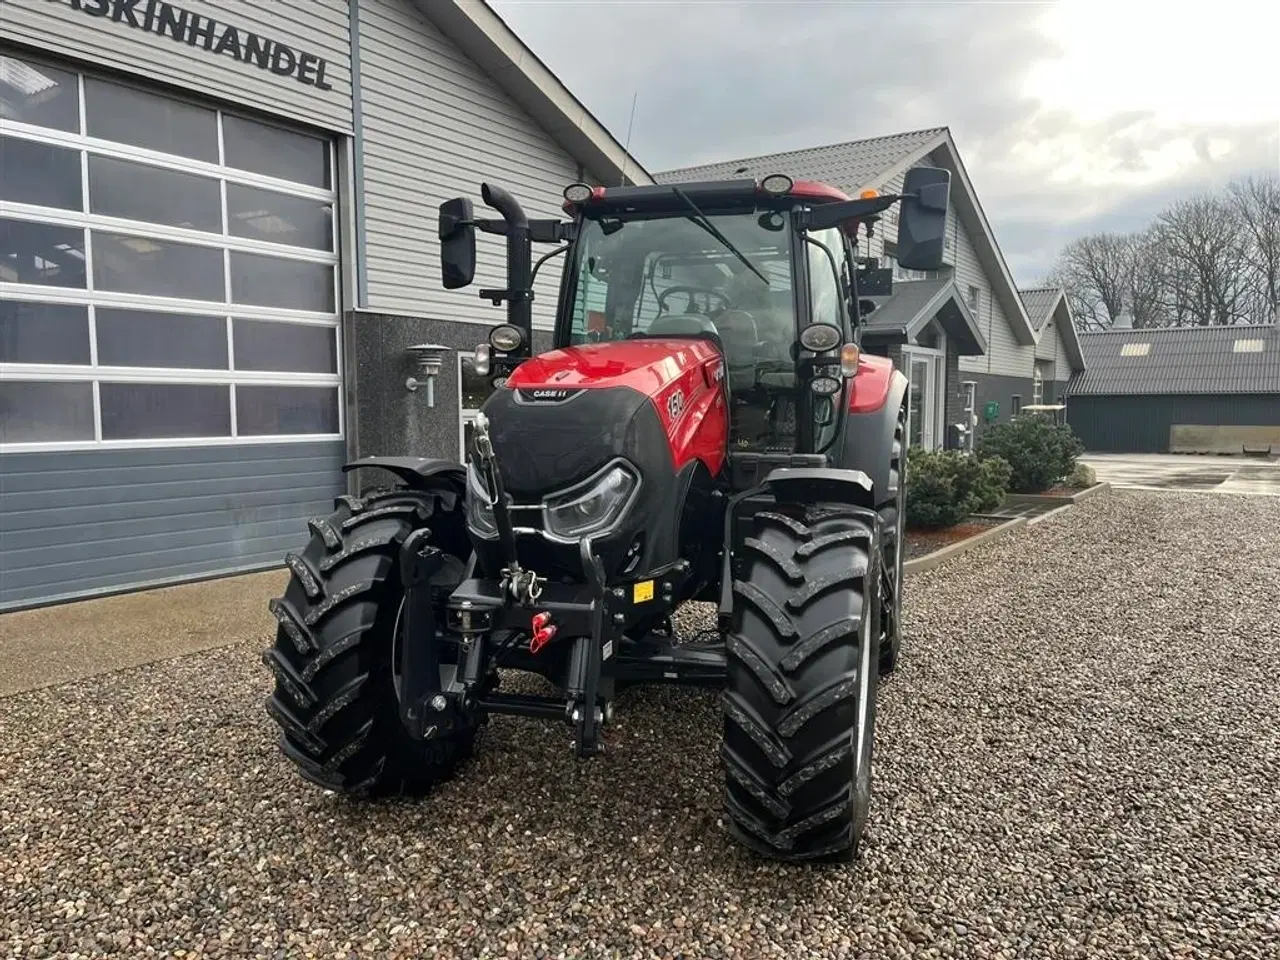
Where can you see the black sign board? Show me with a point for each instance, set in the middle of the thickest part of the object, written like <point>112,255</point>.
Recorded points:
<point>222,39</point>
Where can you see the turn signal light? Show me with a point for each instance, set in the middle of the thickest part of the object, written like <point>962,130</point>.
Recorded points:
<point>849,357</point>
<point>869,194</point>
<point>543,631</point>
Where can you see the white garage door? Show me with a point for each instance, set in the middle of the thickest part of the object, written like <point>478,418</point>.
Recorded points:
<point>169,344</point>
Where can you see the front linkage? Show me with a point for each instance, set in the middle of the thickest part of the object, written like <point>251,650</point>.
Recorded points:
<point>492,621</point>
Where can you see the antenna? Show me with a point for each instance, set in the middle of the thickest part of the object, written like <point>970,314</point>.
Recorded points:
<point>626,147</point>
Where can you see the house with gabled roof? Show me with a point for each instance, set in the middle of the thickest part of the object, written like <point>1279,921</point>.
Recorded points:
<point>1058,353</point>
<point>1178,390</point>
<point>972,346</point>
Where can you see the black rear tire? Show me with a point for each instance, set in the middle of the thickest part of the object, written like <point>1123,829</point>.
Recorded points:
<point>893,515</point>
<point>799,703</point>
<point>335,692</point>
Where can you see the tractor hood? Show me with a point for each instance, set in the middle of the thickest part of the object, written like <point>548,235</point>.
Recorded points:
<point>564,414</point>
<point>646,366</point>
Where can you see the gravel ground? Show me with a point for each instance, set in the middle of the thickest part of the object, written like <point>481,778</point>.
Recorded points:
<point>1078,757</point>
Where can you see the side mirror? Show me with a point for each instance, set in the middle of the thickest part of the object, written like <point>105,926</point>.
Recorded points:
<point>922,219</point>
<point>457,243</point>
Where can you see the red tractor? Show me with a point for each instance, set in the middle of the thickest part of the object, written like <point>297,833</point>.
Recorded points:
<point>706,429</point>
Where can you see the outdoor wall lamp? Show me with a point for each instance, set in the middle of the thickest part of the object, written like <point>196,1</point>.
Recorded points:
<point>428,359</point>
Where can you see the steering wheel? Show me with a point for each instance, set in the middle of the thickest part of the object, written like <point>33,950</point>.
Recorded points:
<point>705,291</point>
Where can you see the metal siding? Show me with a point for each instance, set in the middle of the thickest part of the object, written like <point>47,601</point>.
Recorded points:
<point>436,126</point>
<point>1129,424</point>
<point>1005,357</point>
<point>319,27</point>
<point>73,524</point>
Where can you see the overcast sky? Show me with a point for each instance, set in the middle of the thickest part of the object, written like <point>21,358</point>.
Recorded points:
<point>1071,116</point>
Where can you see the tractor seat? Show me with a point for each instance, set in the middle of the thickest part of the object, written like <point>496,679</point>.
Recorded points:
<point>683,325</point>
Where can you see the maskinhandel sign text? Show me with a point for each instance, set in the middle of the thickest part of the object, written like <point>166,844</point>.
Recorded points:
<point>183,26</point>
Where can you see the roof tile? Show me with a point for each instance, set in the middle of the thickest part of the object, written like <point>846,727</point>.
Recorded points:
<point>849,166</point>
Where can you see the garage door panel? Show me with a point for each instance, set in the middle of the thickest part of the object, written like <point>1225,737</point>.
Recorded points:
<point>52,522</point>
<point>165,491</point>
<point>37,529</point>
<point>71,588</point>
<point>151,557</point>
<point>94,537</point>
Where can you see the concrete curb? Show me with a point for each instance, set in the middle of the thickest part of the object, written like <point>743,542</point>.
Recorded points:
<point>1085,494</point>
<point>931,560</point>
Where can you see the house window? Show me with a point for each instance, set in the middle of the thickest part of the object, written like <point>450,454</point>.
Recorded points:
<point>168,270</point>
<point>974,297</point>
<point>1135,349</point>
<point>1037,386</point>
<point>1015,404</point>
<point>1248,346</point>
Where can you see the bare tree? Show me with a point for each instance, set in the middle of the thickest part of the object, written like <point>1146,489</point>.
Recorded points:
<point>1093,270</point>
<point>1147,281</point>
<point>1256,201</point>
<point>1208,265</point>
<point>1211,259</point>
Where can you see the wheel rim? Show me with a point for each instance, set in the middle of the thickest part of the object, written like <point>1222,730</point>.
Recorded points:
<point>867,671</point>
<point>898,553</point>
<point>892,566</point>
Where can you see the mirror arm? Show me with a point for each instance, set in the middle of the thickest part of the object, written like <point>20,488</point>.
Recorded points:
<point>834,214</point>
<point>540,231</point>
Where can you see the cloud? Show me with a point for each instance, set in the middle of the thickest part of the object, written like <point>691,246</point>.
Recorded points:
<point>1069,117</point>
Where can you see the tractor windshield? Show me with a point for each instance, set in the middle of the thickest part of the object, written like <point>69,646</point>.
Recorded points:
<point>670,274</point>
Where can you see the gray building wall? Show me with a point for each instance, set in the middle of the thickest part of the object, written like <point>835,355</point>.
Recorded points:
<point>434,127</point>
<point>392,420</point>
<point>91,521</point>
<point>1140,424</point>
<point>125,39</point>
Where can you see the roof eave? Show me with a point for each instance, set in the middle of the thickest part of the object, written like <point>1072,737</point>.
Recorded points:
<point>487,40</point>
<point>1067,330</point>
<point>971,341</point>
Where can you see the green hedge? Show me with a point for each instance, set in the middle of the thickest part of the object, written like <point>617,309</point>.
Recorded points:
<point>1041,453</point>
<point>944,487</point>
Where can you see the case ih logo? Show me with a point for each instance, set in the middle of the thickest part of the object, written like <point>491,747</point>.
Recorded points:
<point>548,395</point>
<point>675,404</point>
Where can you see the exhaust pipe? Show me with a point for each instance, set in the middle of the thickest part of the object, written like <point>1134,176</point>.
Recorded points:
<point>519,259</point>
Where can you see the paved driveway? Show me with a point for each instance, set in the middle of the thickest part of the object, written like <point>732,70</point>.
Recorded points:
<point>1160,471</point>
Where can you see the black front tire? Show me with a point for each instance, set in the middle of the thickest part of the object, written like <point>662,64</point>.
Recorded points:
<point>335,690</point>
<point>799,703</point>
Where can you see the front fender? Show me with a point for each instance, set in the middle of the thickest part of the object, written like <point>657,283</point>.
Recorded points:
<point>821,485</point>
<point>418,473</point>
<point>868,433</point>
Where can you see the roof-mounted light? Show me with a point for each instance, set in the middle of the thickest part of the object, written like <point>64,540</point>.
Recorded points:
<point>776,184</point>
<point>577,192</point>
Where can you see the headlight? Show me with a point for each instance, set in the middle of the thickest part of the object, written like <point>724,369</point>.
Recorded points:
<point>592,507</point>
<point>479,506</point>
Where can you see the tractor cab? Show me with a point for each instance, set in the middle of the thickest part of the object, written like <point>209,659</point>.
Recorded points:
<point>765,270</point>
